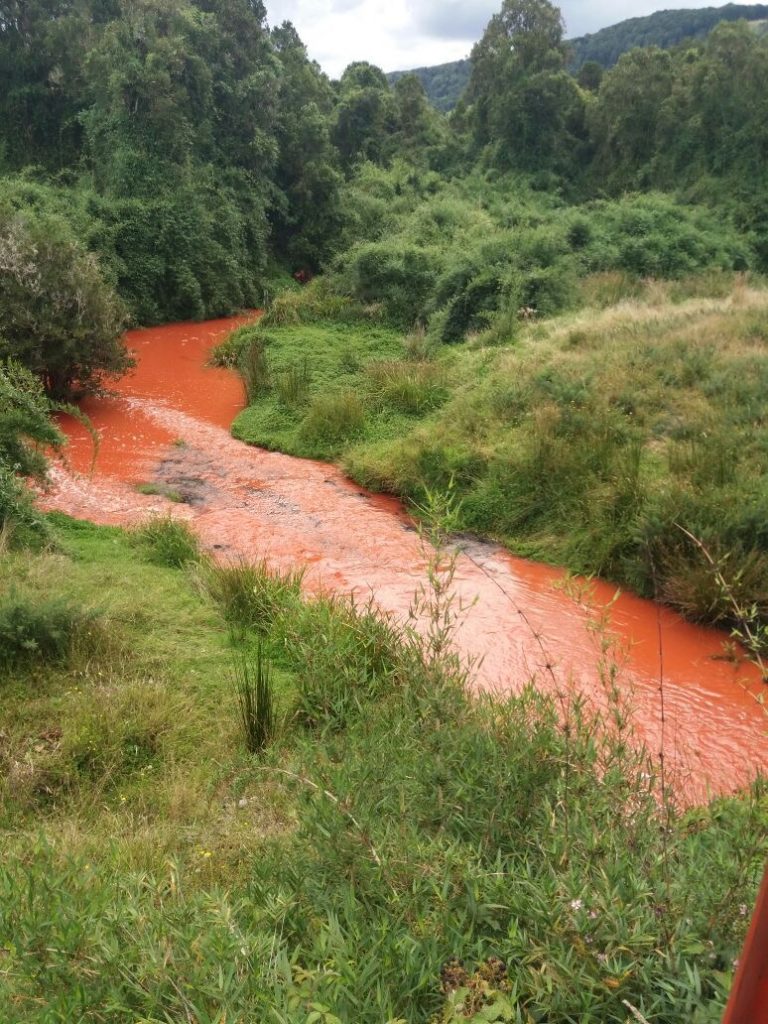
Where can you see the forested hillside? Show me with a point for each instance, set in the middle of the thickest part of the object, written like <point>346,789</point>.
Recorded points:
<point>662,28</point>
<point>444,83</point>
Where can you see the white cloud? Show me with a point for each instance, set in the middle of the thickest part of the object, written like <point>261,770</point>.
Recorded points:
<point>390,33</point>
<point>455,19</point>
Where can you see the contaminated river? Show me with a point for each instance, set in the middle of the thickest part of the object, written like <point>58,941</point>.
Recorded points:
<point>169,425</point>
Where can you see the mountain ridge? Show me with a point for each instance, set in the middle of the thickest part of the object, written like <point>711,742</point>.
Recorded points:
<point>444,83</point>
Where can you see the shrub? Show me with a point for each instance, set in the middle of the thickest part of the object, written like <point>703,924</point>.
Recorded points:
<point>26,429</point>
<point>47,631</point>
<point>59,317</point>
<point>396,274</point>
<point>547,290</point>
<point>21,525</point>
<point>343,657</point>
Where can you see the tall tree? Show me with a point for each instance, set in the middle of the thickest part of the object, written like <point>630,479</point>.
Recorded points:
<point>305,210</point>
<point>520,101</point>
<point>365,115</point>
<point>624,121</point>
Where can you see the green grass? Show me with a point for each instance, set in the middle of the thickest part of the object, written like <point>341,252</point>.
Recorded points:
<point>319,379</point>
<point>161,490</point>
<point>153,870</point>
<point>167,541</point>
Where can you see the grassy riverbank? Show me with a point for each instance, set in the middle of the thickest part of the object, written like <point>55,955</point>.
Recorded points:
<point>155,870</point>
<point>587,440</point>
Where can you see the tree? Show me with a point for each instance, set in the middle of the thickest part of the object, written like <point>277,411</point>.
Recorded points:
<point>305,212</point>
<point>58,317</point>
<point>590,75</point>
<point>520,101</point>
<point>625,118</point>
<point>365,116</point>
<point>419,126</point>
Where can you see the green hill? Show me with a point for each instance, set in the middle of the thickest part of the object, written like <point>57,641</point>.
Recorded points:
<point>663,28</point>
<point>444,83</point>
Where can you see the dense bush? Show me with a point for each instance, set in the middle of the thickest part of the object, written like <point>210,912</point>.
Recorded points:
<point>58,316</point>
<point>397,276</point>
<point>46,631</point>
<point>462,256</point>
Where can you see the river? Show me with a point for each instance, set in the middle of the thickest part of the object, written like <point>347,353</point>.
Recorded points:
<point>168,424</point>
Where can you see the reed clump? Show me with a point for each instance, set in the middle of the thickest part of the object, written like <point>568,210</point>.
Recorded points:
<point>249,594</point>
<point>255,699</point>
<point>168,541</point>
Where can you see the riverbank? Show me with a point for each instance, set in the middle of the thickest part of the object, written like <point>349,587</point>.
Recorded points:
<point>164,438</point>
<point>590,441</point>
<point>392,825</point>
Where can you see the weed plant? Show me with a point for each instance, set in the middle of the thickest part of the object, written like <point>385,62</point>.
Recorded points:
<point>249,594</point>
<point>44,630</point>
<point>332,420</point>
<point>293,383</point>
<point>357,661</point>
<point>254,367</point>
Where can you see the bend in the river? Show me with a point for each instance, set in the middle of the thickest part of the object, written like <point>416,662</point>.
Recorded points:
<point>169,423</point>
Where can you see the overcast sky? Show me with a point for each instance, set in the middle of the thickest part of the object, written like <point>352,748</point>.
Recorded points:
<point>401,34</point>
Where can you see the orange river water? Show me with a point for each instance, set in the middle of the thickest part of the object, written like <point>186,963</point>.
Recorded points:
<point>518,624</point>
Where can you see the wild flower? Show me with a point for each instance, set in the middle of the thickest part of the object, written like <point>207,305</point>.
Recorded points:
<point>576,904</point>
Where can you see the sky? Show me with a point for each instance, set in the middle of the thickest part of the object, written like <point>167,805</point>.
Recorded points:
<point>401,34</point>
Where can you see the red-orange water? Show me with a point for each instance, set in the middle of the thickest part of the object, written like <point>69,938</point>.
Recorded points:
<point>291,511</point>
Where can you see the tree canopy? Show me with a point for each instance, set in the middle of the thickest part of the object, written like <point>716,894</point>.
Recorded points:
<point>58,316</point>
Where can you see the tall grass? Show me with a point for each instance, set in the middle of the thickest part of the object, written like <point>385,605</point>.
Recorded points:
<point>255,699</point>
<point>254,367</point>
<point>411,387</point>
<point>168,541</point>
<point>293,383</point>
<point>333,419</point>
<point>250,594</point>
